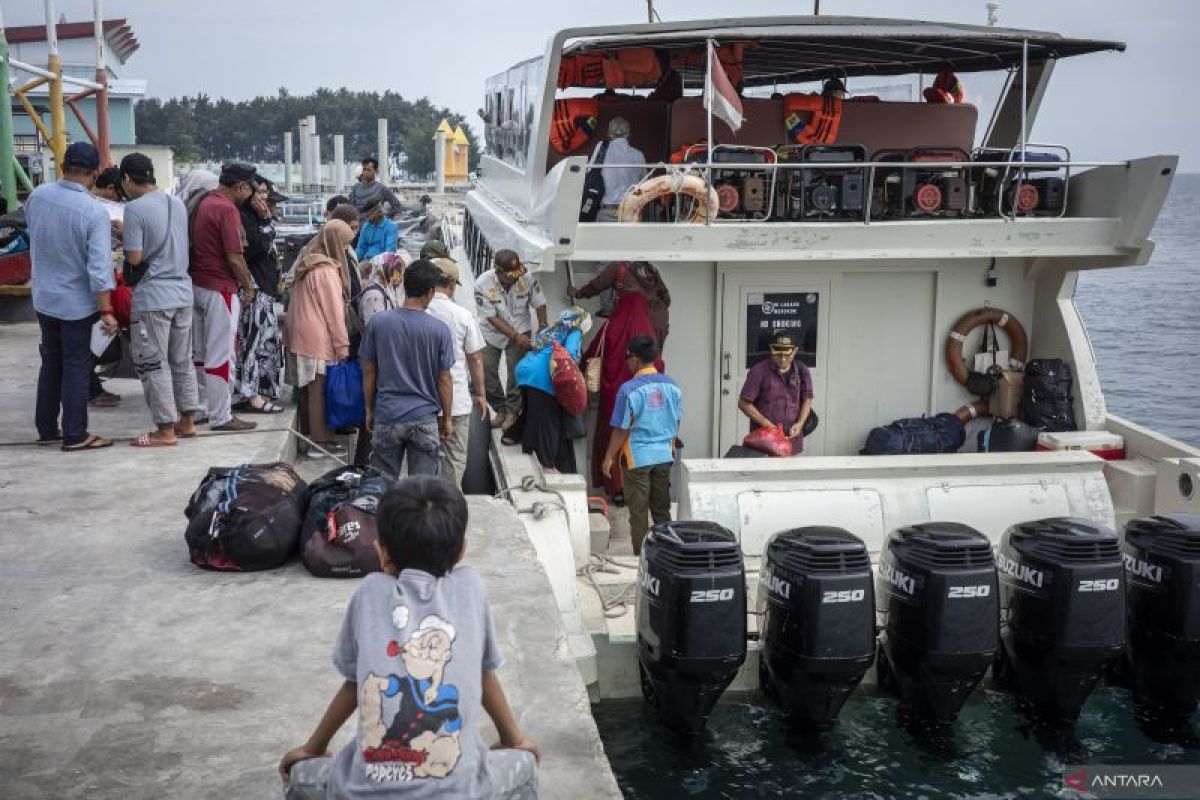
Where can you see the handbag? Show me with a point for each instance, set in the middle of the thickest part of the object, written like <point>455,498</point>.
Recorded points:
<point>593,188</point>
<point>594,368</point>
<point>133,273</point>
<point>345,404</point>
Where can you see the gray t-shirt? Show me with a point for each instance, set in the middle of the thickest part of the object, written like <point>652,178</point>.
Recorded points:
<point>409,348</point>
<point>417,647</point>
<point>166,283</point>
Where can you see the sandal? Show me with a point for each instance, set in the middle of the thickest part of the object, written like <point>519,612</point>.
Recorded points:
<point>146,440</point>
<point>92,442</point>
<point>266,407</point>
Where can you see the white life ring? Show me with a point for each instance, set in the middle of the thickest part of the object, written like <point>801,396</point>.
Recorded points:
<point>651,189</point>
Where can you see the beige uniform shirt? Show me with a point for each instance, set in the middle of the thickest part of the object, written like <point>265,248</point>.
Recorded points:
<point>514,305</point>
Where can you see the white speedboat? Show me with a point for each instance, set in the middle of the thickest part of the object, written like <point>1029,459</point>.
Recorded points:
<point>875,244</point>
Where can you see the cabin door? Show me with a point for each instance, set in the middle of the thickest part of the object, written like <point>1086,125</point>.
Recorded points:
<point>756,303</point>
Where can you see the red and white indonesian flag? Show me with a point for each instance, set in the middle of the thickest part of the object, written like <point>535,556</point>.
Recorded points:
<point>719,96</point>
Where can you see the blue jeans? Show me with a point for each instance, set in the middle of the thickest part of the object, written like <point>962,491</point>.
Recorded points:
<point>418,439</point>
<point>67,363</point>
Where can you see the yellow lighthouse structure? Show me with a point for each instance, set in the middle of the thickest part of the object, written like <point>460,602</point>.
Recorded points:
<point>456,152</point>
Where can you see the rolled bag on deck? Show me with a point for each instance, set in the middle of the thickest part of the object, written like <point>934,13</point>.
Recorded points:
<point>574,123</point>
<point>637,198</point>
<point>811,118</point>
<point>1018,341</point>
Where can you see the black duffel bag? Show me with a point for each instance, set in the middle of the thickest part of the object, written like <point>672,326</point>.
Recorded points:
<point>339,531</point>
<point>1007,435</point>
<point>245,518</point>
<point>941,433</point>
<point>1046,400</point>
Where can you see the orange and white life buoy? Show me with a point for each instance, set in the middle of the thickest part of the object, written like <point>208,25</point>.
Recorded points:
<point>1018,341</point>
<point>637,198</point>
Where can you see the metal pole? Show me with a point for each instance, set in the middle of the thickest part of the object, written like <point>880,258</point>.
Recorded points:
<point>708,104</point>
<point>649,10</point>
<point>58,120</point>
<point>1024,92</point>
<point>8,156</point>
<point>287,161</point>
<point>816,8</point>
<point>101,101</point>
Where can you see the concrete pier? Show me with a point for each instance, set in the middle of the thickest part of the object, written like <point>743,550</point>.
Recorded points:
<point>125,672</point>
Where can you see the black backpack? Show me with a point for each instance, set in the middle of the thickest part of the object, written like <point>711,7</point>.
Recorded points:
<point>941,433</point>
<point>1046,400</point>
<point>245,518</point>
<point>339,531</point>
<point>593,188</point>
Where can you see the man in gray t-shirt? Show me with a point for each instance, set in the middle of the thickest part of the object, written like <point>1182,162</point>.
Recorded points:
<point>156,248</point>
<point>406,358</point>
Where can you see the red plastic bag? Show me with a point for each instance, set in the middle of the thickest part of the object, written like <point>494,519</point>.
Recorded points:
<point>771,440</point>
<point>565,376</point>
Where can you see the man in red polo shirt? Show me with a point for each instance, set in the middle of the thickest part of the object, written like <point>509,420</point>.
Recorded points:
<point>218,269</point>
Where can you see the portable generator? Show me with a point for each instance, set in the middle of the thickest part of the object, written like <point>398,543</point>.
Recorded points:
<point>825,193</point>
<point>914,191</point>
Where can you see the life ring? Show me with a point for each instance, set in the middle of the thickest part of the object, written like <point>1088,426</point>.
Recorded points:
<point>1018,342</point>
<point>637,198</point>
<point>972,411</point>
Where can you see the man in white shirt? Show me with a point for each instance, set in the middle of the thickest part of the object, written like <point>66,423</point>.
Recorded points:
<point>618,179</point>
<point>468,347</point>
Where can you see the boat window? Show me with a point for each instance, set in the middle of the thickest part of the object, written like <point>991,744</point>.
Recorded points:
<point>508,112</point>
<point>775,311</point>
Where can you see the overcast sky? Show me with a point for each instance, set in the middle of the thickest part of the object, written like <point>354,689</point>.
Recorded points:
<point>1105,106</point>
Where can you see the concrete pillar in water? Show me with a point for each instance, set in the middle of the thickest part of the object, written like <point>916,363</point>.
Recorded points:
<point>339,163</point>
<point>381,133</point>
<point>287,161</point>
<point>439,160</point>
<point>305,179</point>
<point>314,152</point>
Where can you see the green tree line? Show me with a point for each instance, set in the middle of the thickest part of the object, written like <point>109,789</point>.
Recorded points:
<point>201,128</point>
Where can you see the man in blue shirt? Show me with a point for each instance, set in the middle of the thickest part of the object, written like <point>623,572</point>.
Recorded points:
<point>70,242</point>
<point>645,423</point>
<point>377,236</point>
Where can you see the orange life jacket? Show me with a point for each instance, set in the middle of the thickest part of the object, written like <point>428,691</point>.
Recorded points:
<point>730,56</point>
<point>632,67</point>
<point>811,118</point>
<point>946,89</point>
<point>581,69</point>
<point>574,123</point>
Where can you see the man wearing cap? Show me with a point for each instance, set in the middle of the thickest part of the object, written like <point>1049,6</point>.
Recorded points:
<point>218,269</point>
<point>377,235</point>
<point>368,191</point>
<point>507,299</point>
<point>70,243</point>
<point>778,391</point>
<point>468,346</point>
<point>618,179</point>
<point>156,252</point>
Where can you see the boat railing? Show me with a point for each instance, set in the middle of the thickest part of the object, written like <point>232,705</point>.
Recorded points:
<point>996,183</point>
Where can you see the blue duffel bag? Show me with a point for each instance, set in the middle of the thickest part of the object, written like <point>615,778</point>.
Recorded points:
<point>941,433</point>
<point>345,405</point>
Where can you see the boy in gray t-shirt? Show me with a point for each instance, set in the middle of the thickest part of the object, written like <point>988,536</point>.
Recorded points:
<point>418,653</point>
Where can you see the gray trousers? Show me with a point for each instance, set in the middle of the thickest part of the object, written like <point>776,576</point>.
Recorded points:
<point>454,450</point>
<point>417,439</point>
<point>214,335</point>
<point>506,397</point>
<point>162,358</point>
<point>513,774</point>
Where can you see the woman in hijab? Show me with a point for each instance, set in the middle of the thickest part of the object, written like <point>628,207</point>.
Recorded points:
<point>260,356</point>
<point>544,428</point>
<point>314,331</point>
<point>381,276</point>
<point>194,186</point>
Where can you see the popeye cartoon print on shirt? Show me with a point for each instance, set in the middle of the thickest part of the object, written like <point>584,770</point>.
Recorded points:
<point>421,738</point>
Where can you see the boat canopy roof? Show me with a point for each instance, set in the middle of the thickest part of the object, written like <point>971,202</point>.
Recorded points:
<point>798,49</point>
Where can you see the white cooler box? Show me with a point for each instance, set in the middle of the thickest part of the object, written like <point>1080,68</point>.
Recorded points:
<point>1109,446</point>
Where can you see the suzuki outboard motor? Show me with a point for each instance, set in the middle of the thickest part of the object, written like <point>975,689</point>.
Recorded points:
<point>1062,609</point>
<point>1162,594</point>
<point>818,620</point>
<point>691,619</point>
<point>938,609</point>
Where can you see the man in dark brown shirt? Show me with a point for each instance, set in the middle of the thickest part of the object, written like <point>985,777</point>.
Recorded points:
<point>779,391</point>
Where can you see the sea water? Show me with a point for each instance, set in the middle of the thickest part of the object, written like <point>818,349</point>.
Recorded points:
<point>1144,325</point>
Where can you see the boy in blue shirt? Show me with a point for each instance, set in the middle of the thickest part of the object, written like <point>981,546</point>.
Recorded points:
<point>418,654</point>
<point>645,424</point>
<point>377,235</point>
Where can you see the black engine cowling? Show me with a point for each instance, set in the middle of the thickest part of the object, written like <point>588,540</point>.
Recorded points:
<point>1162,593</point>
<point>1062,609</point>
<point>937,603</point>
<point>691,619</point>
<point>818,620</point>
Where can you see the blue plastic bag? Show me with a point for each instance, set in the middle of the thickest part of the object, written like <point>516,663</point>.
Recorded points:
<point>345,405</point>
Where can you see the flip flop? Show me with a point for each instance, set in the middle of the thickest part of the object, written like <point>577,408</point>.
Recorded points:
<point>268,407</point>
<point>146,440</point>
<point>93,442</point>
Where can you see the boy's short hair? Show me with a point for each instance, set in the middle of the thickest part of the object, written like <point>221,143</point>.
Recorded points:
<point>643,348</point>
<point>372,160</point>
<point>421,278</point>
<point>334,202</point>
<point>422,523</point>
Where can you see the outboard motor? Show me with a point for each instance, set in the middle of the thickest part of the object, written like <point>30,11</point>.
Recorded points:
<point>1062,609</point>
<point>691,619</point>
<point>1162,593</point>
<point>938,609</point>
<point>818,620</point>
